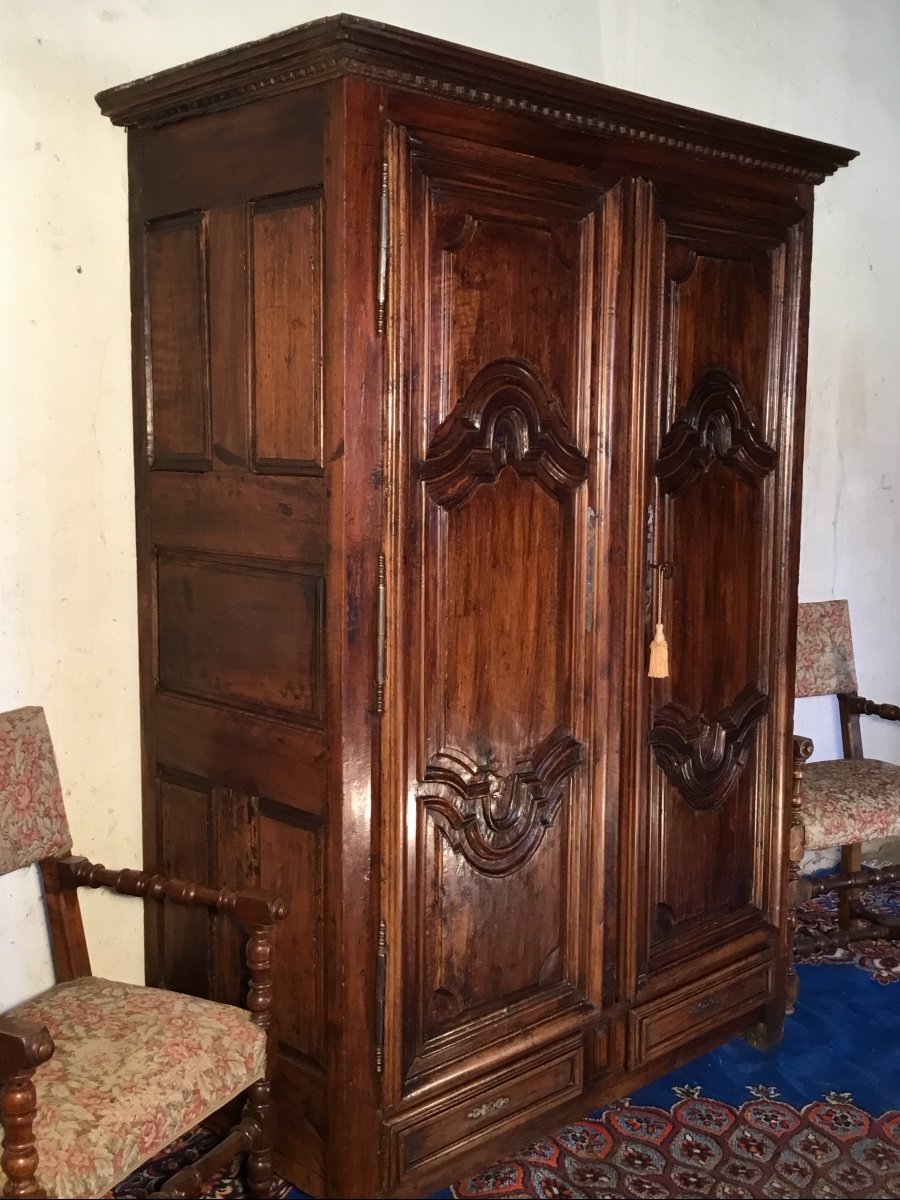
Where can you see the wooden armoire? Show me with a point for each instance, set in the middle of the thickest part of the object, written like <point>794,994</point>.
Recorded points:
<point>452,378</point>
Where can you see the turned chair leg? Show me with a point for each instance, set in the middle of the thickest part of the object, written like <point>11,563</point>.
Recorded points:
<point>260,1173</point>
<point>851,862</point>
<point>18,1108</point>
<point>803,748</point>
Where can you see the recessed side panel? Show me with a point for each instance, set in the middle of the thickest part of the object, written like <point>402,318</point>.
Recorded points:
<point>178,400</point>
<point>186,832</point>
<point>290,862</point>
<point>241,635</point>
<point>286,253</point>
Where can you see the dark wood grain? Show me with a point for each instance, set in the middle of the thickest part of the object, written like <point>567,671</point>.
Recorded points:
<point>178,343</point>
<point>484,341</point>
<point>286,247</point>
<point>68,944</point>
<point>23,1047</point>
<point>335,45</point>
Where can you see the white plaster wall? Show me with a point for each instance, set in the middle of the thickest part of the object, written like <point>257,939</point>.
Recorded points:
<point>824,68</point>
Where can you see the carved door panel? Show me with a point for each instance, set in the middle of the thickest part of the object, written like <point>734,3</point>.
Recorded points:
<point>721,458</point>
<point>502,898</point>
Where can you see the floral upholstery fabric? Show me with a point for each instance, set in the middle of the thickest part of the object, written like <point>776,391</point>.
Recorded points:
<point>33,821</point>
<point>850,800</point>
<point>134,1067</point>
<point>824,649</point>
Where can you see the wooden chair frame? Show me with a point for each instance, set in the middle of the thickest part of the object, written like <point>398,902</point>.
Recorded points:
<point>855,921</point>
<point>24,1047</point>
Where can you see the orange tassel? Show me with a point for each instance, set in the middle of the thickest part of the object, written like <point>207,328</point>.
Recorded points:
<point>659,655</point>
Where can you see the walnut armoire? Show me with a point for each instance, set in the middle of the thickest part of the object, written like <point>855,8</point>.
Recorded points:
<point>452,377</point>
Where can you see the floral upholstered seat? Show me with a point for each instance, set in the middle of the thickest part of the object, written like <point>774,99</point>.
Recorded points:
<point>188,1056</point>
<point>847,801</point>
<point>96,1077</point>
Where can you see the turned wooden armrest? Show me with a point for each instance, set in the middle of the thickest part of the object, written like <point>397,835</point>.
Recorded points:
<point>252,907</point>
<point>23,1046</point>
<point>803,748</point>
<point>868,708</point>
<point>256,909</point>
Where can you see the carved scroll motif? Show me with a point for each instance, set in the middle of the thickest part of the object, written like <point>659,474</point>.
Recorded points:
<point>507,418</point>
<point>714,424</point>
<point>703,758</point>
<point>498,821</point>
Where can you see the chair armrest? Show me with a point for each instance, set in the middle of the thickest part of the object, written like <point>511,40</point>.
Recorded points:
<point>803,748</point>
<point>23,1046</point>
<point>868,708</point>
<point>252,907</point>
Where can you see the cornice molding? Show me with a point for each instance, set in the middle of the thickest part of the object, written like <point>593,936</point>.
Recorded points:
<point>346,45</point>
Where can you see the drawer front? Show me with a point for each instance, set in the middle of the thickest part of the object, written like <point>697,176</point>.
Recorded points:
<point>505,1098</point>
<point>671,1021</point>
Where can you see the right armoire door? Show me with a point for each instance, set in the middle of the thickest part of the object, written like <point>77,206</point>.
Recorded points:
<point>721,296</point>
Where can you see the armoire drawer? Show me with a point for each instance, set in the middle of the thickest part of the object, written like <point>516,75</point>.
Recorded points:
<point>671,1021</point>
<point>510,1096</point>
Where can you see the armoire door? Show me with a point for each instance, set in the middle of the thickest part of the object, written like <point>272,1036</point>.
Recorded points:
<point>504,279</point>
<point>726,292</point>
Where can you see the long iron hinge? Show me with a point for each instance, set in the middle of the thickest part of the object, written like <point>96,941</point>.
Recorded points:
<point>590,570</point>
<point>380,635</point>
<point>384,239</point>
<point>380,979</point>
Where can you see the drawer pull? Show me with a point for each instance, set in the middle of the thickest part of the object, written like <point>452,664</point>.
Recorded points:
<point>706,1004</point>
<point>490,1106</point>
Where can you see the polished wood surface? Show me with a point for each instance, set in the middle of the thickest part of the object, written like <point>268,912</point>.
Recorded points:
<point>467,346</point>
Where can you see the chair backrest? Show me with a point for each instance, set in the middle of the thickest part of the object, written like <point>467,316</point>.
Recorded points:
<point>33,821</point>
<point>824,649</point>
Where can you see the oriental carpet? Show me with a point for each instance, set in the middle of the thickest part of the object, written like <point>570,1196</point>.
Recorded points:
<point>818,1116</point>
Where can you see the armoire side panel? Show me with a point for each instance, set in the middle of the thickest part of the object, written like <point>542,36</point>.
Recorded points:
<point>233,582</point>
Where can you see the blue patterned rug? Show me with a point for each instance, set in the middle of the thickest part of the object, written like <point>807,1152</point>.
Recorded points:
<point>818,1116</point>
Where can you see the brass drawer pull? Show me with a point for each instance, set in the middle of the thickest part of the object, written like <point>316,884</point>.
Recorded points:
<point>491,1106</point>
<point>706,1004</point>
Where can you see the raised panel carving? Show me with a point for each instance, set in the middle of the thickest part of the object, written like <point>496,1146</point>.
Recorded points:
<point>505,419</point>
<point>714,424</point>
<point>286,243</point>
<point>704,758</point>
<point>177,336</point>
<point>497,821</point>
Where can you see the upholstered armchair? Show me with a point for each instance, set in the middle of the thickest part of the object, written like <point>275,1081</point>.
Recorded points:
<point>847,801</point>
<point>97,1076</point>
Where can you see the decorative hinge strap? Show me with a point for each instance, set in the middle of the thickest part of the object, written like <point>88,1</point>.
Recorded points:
<point>590,571</point>
<point>384,245</point>
<point>380,980</point>
<point>380,634</point>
